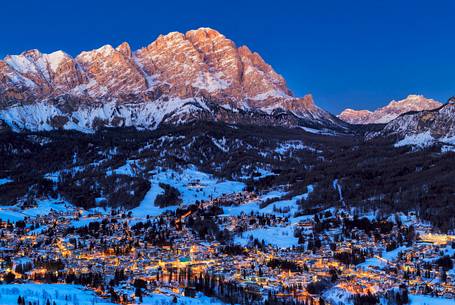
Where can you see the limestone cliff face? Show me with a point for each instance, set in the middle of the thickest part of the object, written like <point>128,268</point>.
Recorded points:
<point>111,72</point>
<point>173,76</point>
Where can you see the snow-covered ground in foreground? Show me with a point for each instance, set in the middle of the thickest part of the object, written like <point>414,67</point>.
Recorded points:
<point>336,295</point>
<point>281,237</point>
<point>62,294</point>
<point>192,184</point>
<point>427,300</point>
<point>65,294</point>
<point>340,296</point>
<point>161,299</point>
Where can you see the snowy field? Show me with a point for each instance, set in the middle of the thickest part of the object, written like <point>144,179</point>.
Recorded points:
<point>8,213</point>
<point>161,299</point>
<point>386,258</point>
<point>427,300</point>
<point>340,296</point>
<point>262,172</point>
<point>5,181</point>
<point>62,294</point>
<point>252,206</point>
<point>281,237</point>
<point>192,184</point>
<point>44,207</point>
<point>289,205</point>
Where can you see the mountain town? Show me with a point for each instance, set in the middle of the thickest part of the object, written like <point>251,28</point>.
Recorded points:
<point>254,253</point>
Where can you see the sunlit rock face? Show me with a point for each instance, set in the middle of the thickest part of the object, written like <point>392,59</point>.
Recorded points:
<point>111,72</point>
<point>177,78</point>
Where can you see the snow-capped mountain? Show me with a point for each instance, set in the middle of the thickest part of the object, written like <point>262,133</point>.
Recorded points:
<point>391,111</point>
<point>423,128</point>
<point>177,78</point>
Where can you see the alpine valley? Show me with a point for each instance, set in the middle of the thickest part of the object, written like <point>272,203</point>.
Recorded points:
<point>190,166</point>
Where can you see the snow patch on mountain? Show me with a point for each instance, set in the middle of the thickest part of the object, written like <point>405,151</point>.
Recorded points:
<point>55,59</point>
<point>40,116</point>
<point>211,82</point>
<point>269,94</point>
<point>21,64</point>
<point>290,146</point>
<point>425,139</point>
<point>420,140</point>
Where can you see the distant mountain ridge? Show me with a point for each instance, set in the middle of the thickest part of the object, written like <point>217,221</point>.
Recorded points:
<point>423,128</point>
<point>389,112</point>
<point>177,78</point>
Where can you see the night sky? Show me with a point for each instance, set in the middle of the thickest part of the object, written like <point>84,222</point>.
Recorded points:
<point>358,54</point>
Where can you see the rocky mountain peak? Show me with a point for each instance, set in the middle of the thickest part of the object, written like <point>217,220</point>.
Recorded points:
<point>125,49</point>
<point>204,33</point>
<point>110,72</point>
<point>389,112</point>
<point>175,75</point>
<point>32,54</point>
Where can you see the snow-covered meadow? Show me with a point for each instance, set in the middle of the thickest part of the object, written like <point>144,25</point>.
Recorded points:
<point>61,294</point>
<point>192,184</point>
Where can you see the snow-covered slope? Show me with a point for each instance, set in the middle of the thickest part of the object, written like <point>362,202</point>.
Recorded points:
<point>391,111</point>
<point>423,128</point>
<point>45,116</point>
<point>176,75</point>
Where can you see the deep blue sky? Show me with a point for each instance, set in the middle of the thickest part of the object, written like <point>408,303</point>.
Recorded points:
<point>358,54</point>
